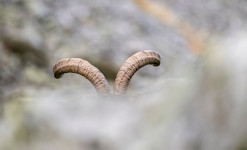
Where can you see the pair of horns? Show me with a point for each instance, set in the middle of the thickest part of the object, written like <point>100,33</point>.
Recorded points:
<point>128,69</point>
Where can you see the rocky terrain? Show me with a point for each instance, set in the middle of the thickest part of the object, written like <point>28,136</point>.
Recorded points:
<point>196,98</point>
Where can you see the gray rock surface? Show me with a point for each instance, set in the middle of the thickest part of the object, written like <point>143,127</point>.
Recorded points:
<point>189,102</point>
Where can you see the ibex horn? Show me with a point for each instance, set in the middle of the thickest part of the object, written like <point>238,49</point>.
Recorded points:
<point>84,68</point>
<point>131,65</point>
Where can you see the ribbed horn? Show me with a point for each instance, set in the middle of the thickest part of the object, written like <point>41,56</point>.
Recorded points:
<point>84,68</point>
<point>131,65</point>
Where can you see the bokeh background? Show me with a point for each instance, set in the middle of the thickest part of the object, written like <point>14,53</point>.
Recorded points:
<point>195,100</point>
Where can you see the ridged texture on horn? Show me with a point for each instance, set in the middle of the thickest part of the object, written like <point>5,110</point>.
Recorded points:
<point>131,65</point>
<point>84,68</point>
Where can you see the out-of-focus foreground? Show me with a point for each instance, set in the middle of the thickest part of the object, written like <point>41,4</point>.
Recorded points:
<point>195,100</point>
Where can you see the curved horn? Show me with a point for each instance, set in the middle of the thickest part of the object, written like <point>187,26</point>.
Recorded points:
<point>84,68</point>
<point>131,65</point>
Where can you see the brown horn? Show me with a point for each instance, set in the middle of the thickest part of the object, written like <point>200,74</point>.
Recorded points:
<point>84,68</point>
<point>131,65</point>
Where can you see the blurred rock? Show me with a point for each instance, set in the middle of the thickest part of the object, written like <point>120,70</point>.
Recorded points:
<point>10,67</point>
<point>76,124</point>
<point>214,114</point>
<point>27,44</point>
<point>189,102</point>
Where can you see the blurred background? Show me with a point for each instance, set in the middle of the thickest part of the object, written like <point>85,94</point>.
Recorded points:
<point>195,100</point>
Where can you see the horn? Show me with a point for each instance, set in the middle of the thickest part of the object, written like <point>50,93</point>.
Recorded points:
<point>131,65</point>
<point>84,68</point>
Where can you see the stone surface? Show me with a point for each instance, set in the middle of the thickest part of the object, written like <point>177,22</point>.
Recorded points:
<point>189,102</point>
